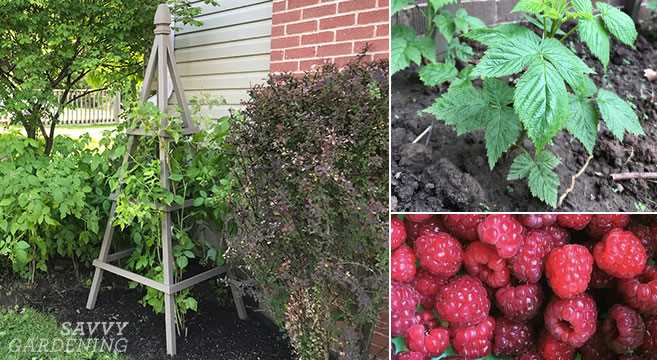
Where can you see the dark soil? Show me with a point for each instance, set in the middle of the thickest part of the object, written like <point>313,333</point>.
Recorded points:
<point>452,174</point>
<point>215,332</point>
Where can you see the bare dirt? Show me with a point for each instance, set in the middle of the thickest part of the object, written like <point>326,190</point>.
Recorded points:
<point>214,332</point>
<point>451,173</point>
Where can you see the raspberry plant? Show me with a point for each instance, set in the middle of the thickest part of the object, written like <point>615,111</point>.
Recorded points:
<point>408,47</point>
<point>553,93</point>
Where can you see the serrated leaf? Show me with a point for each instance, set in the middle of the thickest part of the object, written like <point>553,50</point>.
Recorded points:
<point>435,74</point>
<point>535,7</point>
<point>445,24</point>
<point>437,4</point>
<point>398,59</point>
<point>475,22</point>
<point>593,33</point>
<point>502,131</point>
<point>498,92</point>
<point>583,122</point>
<point>398,5</point>
<point>461,20</point>
<point>617,114</point>
<point>462,51</point>
<point>509,56</point>
<point>427,47</point>
<point>544,184</point>
<point>492,36</point>
<point>568,65</point>
<point>583,6</point>
<point>584,87</point>
<point>547,160</point>
<point>618,23</point>
<point>520,167</point>
<point>541,102</point>
<point>463,107</point>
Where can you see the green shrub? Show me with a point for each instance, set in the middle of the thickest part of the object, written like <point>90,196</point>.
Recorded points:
<point>51,206</point>
<point>313,168</point>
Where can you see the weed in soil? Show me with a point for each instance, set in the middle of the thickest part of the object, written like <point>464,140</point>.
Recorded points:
<point>451,173</point>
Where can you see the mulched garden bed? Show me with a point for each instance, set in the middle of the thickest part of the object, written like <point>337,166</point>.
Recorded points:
<point>452,174</point>
<point>215,332</point>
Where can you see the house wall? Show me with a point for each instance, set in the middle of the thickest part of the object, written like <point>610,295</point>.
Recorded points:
<point>228,54</point>
<point>306,33</point>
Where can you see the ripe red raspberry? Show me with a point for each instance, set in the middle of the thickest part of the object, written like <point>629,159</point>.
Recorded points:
<point>403,301</point>
<point>463,301</point>
<point>428,319</point>
<point>568,270</point>
<point>641,292</point>
<point>519,303</point>
<point>463,226</point>
<point>574,221</point>
<point>431,226</point>
<point>603,223</point>
<point>503,231</point>
<point>481,260</point>
<point>418,217</point>
<point>596,349</point>
<point>620,254</point>
<point>474,341</point>
<point>573,320</point>
<point>536,221</point>
<point>402,264</point>
<point>437,341</point>
<point>532,355</point>
<point>647,235</point>
<point>428,284</point>
<point>410,355</point>
<point>512,338</point>
<point>650,337</point>
<point>415,338</point>
<point>397,232</point>
<point>560,236</point>
<point>623,329</point>
<point>551,348</point>
<point>440,253</point>
<point>527,265</point>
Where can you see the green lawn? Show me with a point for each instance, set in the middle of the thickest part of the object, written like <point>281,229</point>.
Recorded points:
<point>27,329</point>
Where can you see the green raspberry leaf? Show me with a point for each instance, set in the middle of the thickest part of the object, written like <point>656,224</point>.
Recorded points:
<point>543,181</point>
<point>535,7</point>
<point>427,47</point>
<point>521,167</point>
<point>569,65</point>
<point>463,107</point>
<point>509,56</point>
<point>498,92</point>
<point>446,25</point>
<point>398,5</point>
<point>493,36</point>
<point>593,33</point>
<point>437,4</point>
<point>583,122</point>
<point>583,6</point>
<point>436,74</point>
<point>409,48</point>
<point>541,102</point>
<point>618,114</point>
<point>618,23</point>
<point>502,131</point>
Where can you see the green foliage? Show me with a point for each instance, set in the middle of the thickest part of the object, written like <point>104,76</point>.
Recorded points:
<point>49,45</point>
<point>200,169</point>
<point>410,48</point>
<point>51,206</point>
<point>313,209</point>
<point>553,93</point>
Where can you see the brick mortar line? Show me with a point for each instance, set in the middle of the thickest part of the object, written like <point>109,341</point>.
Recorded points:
<point>352,42</point>
<point>325,30</point>
<point>324,58</point>
<point>356,12</point>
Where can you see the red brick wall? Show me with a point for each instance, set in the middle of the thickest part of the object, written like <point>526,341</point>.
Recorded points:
<point>309,32</point>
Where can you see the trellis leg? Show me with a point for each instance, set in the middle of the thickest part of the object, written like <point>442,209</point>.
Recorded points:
<point>169,299</point>
<point>109,229</point>
<point>237,298</point>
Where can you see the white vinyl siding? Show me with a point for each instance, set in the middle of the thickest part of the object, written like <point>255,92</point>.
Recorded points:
<point>228,54</point>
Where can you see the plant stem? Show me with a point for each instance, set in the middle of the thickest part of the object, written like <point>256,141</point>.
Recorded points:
<point>569,33</point>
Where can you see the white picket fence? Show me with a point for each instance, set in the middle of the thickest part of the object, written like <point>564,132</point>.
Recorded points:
<point>100,107</point>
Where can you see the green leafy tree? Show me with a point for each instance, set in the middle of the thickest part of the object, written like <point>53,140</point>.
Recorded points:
<point>408,47</point>
<point>553,93</point>
<point>48,45</point>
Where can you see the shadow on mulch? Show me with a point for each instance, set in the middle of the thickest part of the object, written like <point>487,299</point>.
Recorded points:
<point>215,332</point>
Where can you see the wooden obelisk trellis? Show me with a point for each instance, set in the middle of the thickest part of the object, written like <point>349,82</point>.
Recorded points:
<point>163,61</point>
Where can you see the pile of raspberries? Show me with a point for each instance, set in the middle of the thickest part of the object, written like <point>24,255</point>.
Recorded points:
<point>538,286</point>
